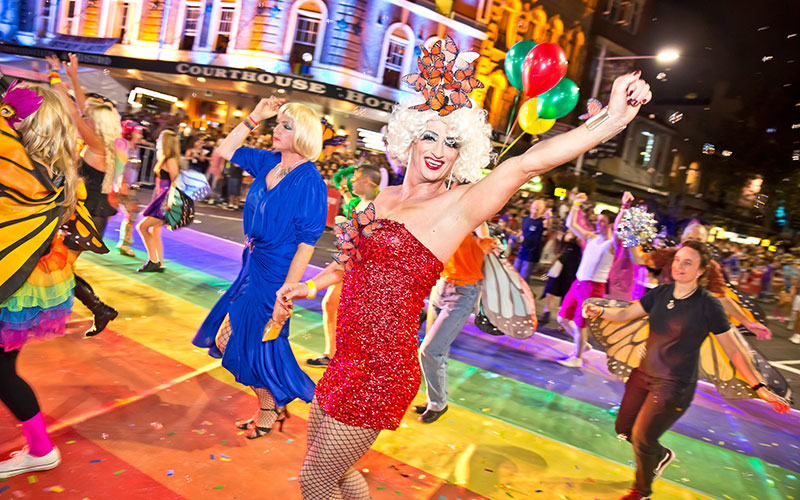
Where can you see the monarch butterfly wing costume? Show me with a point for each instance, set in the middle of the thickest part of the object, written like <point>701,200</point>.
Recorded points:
<point>506,300</point>
<point>29,211</point>
<point>751,309</point>
<point>80,229</point>
<point>715,366</point>
<point>625,345</point>
<point>179,211</point>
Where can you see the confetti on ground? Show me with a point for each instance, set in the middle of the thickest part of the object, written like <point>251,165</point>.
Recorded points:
<point>206,422</point>
<point>219,487</point>
<point>119,472</point>
<point>488,470</point>
<point>381,487</point>
<point>224,442</point>
<point>57,489</point>
<point>225,459</point>
<point>199,431</point>
<point>289,440</point>
<point>95,461</point>
<point>211,457</point>
<point>171,434</point>
<point>4,488</point>
<point>292,479</point>
<point>170,473</point>
<point>32,479</point>
<point>398,493</point>
<point>71,442</point>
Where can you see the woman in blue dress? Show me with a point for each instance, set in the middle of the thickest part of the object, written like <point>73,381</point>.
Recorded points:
<point>284,216</point>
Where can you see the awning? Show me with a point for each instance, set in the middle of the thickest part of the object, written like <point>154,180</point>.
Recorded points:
<point>231,74</point>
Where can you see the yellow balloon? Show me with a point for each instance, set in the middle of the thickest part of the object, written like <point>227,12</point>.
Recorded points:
<point>529,120</point>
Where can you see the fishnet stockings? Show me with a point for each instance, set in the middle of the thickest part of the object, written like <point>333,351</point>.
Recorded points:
<point>265,399</point>
<point>333,449</point>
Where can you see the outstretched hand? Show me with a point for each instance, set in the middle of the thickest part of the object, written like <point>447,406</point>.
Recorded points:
<point>53,62</point>
<point>762,332</point>
<point>72,66</point>
<point>628,94</point>
<point>778,403</point>
<point>289,292</point>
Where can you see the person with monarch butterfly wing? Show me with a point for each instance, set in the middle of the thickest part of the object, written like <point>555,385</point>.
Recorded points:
<point>731,300</point>
<point>41,207</point>
<point>100,164</point>
<point>284,216</point>
<point>392,253</point>
<point>660,389</point>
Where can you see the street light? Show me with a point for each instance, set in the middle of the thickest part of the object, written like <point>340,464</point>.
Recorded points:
<point>666,55</point>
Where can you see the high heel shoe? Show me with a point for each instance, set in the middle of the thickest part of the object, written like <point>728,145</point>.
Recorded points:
<point>258,431</point>
<point>283,415</point>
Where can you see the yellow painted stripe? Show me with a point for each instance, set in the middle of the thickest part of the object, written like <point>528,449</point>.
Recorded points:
<point>487,456</point>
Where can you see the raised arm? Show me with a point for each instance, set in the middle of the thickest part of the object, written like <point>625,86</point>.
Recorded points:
<point>72,71</point>
<point>572,223</point>
<point>627,199</point>
<point>739,353</point>
<point>485,198</point>
<point>85,131</point>
<point>265,109</point>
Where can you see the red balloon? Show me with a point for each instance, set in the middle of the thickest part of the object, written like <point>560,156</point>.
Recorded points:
<point>542,68</point>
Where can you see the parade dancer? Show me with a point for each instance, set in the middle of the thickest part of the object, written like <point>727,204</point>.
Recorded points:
<point>99,127</point>
<point>364,185</point>
<point>561,274</point>
<point>394,252</point>
<point>129,184</point>
<point>661,259</point>
<point>38,182</point>
<point>661,388</point>
<point>168,152</point>
<point>533,229</point>
<point>591,277</point>
<point>284,216</point>
<point>452,301</point>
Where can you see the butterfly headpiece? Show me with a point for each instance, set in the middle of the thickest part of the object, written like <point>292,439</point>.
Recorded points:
<point>18,103</point>
<point>446,77</point>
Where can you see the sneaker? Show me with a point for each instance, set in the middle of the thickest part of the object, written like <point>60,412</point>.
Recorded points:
<point>22,462</point>
<point>431,416</point>
<point>795,339</point>
<point>545,318</point>
<point>320,361</point>
<point>571,362</point>
<point>635,495</point>
<point>668,457</point>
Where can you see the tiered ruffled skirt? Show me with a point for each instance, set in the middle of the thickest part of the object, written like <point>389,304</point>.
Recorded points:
<point>39,309</point>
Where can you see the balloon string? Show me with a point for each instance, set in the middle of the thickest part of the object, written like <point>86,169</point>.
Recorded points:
<point>506,150</point>
<point>513,113</point>
<point>508,135</point>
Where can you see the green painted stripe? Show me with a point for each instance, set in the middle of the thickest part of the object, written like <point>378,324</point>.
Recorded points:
<point>703,466</point>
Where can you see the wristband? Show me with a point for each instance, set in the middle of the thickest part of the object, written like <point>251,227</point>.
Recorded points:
<point>52,74</point>
<point>598,119</point>
<point>54,81</point>
<point>602,310</point>
<point>759,386</point>
<point>312,289</point>
<point>250,123</point>
<point>626,205</point>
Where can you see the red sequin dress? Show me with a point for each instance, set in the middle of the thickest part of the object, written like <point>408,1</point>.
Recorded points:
<point>375,374</point>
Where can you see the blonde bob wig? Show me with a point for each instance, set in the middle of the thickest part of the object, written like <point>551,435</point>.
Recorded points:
<point>50,137</point>
<point>468,126</point>
<point>108,126</point>
<point>307,137</point>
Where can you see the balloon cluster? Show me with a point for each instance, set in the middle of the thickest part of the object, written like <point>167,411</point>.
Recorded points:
<point>538,71</point>
<point>637,227</point>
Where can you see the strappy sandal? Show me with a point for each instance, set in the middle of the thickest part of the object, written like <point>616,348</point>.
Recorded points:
<point>262,431</point>
<point>283,415</point>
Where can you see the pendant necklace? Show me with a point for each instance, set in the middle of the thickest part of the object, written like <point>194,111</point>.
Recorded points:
<point>280,172</point>
<point>671,303</point>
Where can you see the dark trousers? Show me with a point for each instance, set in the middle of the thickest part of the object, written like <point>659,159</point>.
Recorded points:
<point>649,408</point>
<point>15,393</point>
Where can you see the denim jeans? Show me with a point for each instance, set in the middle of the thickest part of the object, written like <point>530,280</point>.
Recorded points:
<point>452,305</point>
<point>650,406</point>
<point>523,267</point>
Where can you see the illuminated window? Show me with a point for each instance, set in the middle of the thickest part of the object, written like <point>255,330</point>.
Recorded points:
<point>190,22</point>
<point>226,16</point>
<point>306,34</point>
<point>645,143</point>
<point>71,17</point>
<point>398,47</point>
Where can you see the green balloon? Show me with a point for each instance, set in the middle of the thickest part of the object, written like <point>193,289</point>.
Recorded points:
<point>513,64</point>
<point>559,100</point>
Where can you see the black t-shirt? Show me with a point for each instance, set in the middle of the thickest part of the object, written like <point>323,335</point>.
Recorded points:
<point>673,347</point>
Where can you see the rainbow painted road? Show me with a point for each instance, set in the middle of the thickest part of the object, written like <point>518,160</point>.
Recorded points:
<point>138,412</point>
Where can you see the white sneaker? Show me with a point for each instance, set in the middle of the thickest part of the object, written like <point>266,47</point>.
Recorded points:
<point>21,462</point>
<point>669,456</point>
<point>571,362</point>
<point>795,339</point>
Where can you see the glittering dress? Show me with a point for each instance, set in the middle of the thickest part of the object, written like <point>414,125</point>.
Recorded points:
<point>375,374</point>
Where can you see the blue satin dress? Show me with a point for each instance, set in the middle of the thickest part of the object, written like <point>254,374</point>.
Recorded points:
<point>275,221</point>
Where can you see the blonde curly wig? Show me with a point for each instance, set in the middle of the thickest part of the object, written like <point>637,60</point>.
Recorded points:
<point>468,125</point>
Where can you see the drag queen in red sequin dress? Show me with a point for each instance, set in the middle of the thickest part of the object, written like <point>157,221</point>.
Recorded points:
<point>392,254</point>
